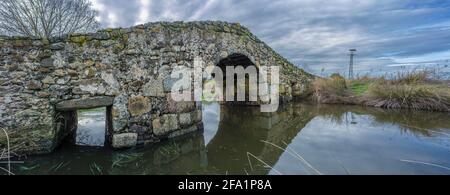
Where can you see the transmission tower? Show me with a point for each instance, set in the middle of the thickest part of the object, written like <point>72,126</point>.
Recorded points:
<point>350,68</point>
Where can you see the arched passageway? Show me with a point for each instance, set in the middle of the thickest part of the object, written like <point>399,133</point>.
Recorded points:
<point>240,80</point>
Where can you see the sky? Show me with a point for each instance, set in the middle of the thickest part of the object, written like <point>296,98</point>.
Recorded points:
<point>314,34</point>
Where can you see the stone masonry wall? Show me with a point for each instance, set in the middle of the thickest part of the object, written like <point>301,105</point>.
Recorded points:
<point>131,65</point>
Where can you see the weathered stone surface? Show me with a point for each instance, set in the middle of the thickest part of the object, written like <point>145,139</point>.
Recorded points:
<point>47,62</point>
<point>92,86</point>
<point>60,72</point>
<point>154,88</point>
<point>113,85</point>
<point>89,63</point>
<point>184,131</point>
<point>165,124</point>
<point>178,107</point>
<point>57,46</point>
<point>48,80</point>
<point>63,81</point>
<point>124,140</point>
<point>102,36</point>
<point>80,39</point>
<point>43,94</point>
<point>182,82</point>
<point>185,119</point>
<point>72,73</point>
<point>12,67</point>
<point>44,70</point>
<point>197,116</point>
<point>300,90</point>
<point>139,129</point>
<point>27,113</point>
<point>34,85</point>
<point>120,113</point>
<point>169,82</point>
<point>85,103</point>
<point>89,73</point>
<point>139,105</point>
<point>132,66</point>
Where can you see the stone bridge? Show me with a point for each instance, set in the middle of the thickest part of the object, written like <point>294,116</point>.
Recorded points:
<point>44,82</point>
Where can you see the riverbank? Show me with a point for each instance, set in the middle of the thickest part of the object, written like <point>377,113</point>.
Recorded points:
<point>415,90</point>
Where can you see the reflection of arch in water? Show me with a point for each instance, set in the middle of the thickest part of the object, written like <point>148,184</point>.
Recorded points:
<point>177,156</point>
<point>211,120</point>
<point>182,155</point>
<point>239,134</point>
<point>241,130</point>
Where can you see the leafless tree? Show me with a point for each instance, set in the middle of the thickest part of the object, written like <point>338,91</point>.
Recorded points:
<point>46,18</point>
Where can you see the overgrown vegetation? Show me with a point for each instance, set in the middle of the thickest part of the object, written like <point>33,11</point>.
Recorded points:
<point>411,90</point>
<point>331,90</point>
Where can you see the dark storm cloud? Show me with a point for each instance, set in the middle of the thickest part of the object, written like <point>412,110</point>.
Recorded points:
<point>313,32</point>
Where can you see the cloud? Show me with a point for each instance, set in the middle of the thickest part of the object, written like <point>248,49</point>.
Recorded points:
<point>314,32</point>
<point>144,12</point>
<point>117,13</point>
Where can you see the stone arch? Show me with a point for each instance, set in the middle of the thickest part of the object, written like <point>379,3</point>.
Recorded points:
<point>237,60</point>
<point>125,64</point>
<point>230,52</point>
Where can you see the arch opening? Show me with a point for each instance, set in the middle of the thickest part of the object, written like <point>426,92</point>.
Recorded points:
<point>84,122</point>
<point>239,70</point>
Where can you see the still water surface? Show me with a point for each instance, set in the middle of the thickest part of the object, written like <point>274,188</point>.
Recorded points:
<point>298,139</point>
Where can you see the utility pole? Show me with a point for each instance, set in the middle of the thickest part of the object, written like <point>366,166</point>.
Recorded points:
<point>350,68</point>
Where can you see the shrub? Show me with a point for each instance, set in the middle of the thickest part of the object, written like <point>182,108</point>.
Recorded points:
<point>332,90</point>
<point>411,90</point>
<point>410,78</point>
<point>412,96</point>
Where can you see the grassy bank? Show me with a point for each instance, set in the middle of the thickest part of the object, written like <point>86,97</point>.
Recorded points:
<point>415,90</point>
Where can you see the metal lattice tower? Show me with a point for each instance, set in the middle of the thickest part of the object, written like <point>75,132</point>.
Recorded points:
<point>350,68</point>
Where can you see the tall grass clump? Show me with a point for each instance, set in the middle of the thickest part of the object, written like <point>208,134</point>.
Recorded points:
<point>409,78</point>
<point>409,90</point>
<point>331,90</point>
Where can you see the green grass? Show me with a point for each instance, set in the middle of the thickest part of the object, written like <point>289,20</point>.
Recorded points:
<point>95,169</point>
<point>359,88</point>
<point>411,90</point>
<point>414,96</point>
<point>121,160</point>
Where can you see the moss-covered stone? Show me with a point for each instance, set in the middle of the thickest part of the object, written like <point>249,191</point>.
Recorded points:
<point>78,39</point>
<point>139,105</point>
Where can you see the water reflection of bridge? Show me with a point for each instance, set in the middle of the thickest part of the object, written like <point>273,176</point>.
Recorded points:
<point>244,130</point>
<point>241,130</point>
<point>243,136</point>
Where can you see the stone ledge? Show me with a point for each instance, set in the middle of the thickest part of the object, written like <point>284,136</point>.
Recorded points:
<point>86,103</point>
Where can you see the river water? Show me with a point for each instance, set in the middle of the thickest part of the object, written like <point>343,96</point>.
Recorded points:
<point>299,139</point>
